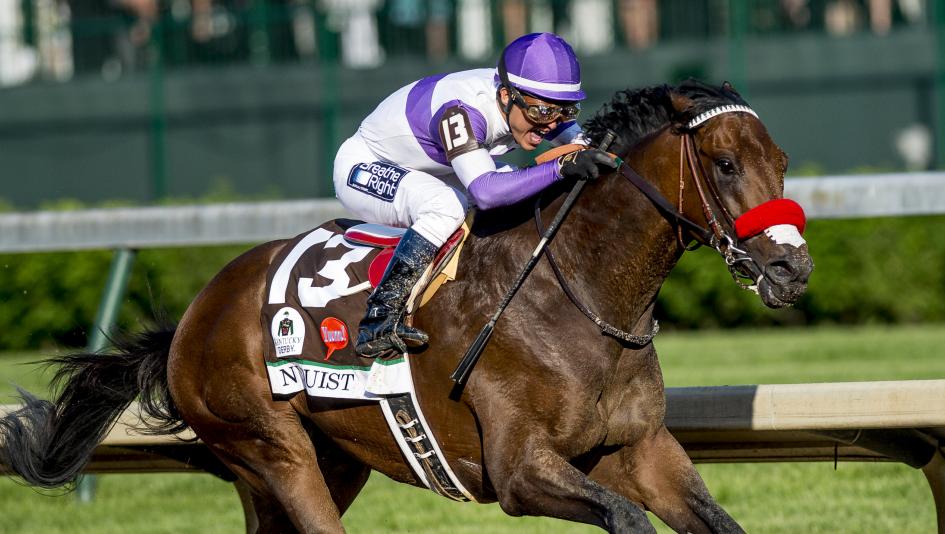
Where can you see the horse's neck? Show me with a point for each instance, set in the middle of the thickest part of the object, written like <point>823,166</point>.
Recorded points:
<point>620,247</point>
<point>614,248</point>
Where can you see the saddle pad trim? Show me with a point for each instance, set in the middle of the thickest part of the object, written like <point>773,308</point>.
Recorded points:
<point>448,267</point>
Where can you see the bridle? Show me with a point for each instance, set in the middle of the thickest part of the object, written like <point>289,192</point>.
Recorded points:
<point>723,238</point>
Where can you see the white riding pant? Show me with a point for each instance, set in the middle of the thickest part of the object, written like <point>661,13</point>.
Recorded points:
<point>385,193</point>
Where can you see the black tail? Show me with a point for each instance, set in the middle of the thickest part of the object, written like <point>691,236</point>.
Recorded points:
<point>48,443</point>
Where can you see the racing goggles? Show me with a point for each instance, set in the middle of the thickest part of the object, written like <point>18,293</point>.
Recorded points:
<point>546,113</point>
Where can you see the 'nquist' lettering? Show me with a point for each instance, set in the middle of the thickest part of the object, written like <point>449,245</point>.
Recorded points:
<point>330,381</point>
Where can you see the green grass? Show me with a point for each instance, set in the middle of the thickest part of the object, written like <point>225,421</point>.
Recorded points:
<point>789,497</point>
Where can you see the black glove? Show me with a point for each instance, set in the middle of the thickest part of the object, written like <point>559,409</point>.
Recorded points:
<point>586,164</point>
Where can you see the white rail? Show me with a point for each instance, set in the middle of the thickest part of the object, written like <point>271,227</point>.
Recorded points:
<point>221,224</point>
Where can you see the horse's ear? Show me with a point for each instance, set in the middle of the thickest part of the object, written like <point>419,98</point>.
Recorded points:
<point>681,104</point>
<point>729,88</point>
<point>682,108</point>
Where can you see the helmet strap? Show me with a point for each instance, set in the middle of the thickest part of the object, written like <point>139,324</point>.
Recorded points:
<point>504,82</point>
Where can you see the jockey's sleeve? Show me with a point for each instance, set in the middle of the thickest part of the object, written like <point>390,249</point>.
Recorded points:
<point>492,188</point>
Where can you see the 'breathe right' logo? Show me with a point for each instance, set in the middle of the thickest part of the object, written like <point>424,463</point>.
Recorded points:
<point>380,180</point>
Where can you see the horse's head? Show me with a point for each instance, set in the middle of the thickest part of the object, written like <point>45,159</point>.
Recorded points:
<point>717,166</point>
<point>737,173</point>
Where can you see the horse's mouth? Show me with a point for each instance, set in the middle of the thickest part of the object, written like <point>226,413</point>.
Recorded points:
<point>785,276</point>
<point>780,296</point>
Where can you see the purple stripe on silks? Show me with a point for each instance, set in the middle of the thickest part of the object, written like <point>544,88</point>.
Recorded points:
<point>563,133</point>
<point>419,115</point>
<point>478,121</point>
<point>494,189</point>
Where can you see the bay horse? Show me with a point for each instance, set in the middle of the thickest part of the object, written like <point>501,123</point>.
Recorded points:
<point>557,420</point>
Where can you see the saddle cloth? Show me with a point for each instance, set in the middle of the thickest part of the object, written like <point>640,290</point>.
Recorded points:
<point>316,292</point>
<point>317,286</point>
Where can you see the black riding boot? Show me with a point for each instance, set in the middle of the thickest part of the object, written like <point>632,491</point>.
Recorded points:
<point>381,331</point>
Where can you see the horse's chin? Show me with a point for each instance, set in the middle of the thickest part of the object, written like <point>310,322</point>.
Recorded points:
<point>780,296</point>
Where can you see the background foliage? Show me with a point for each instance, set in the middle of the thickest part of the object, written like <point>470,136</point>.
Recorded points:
<point>883,270</point>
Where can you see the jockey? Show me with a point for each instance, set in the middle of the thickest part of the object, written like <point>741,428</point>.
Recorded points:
<point>427,150</point>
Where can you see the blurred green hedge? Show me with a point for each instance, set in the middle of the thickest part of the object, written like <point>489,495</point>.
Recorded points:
<point>51,298</point>
<point>889,270</point>
<point>883,270</point>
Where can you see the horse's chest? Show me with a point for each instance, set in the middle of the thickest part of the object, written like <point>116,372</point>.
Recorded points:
<point>631,409</point>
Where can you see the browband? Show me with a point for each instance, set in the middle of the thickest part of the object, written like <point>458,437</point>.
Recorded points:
<point>714,112</point>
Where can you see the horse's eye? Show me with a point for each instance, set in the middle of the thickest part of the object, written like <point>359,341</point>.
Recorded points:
<point>725,166</point>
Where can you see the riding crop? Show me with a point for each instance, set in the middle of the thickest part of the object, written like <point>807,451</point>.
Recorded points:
<point>472,355</point>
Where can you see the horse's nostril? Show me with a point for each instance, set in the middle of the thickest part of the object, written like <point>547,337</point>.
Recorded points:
<point>781,271</point>
<point>789,269</point>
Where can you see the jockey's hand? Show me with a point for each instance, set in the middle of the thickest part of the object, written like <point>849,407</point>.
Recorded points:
<point>586,164</point>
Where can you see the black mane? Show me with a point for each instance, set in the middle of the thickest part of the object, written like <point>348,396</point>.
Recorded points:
<point>635,114</point>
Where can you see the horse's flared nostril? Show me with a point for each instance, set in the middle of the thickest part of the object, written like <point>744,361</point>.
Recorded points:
<point>788,270</point>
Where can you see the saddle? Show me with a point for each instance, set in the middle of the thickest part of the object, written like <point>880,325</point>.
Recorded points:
<point>441,270</point>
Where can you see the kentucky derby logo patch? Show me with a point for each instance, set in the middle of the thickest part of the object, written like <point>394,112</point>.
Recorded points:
<point>288,332</point>
<point>377,179</point>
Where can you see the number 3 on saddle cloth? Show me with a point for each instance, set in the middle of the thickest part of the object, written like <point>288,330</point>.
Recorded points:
<point>316,293</point>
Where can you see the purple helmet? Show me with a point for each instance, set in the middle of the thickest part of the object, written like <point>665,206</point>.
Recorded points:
<point>541,64</point>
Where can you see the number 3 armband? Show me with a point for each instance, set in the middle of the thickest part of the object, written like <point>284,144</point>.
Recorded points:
<point>456,133</point>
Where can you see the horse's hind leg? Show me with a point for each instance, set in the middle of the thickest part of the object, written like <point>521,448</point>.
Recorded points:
<point>657,473</point>
<point>273,455</point>
<point>344,476</point>
<point>345,479</point>
<point>261,440</point>
<point>220,387</point>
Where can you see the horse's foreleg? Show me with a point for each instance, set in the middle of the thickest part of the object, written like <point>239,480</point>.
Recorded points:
<point>541,482</point>
<point>657,473</point>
